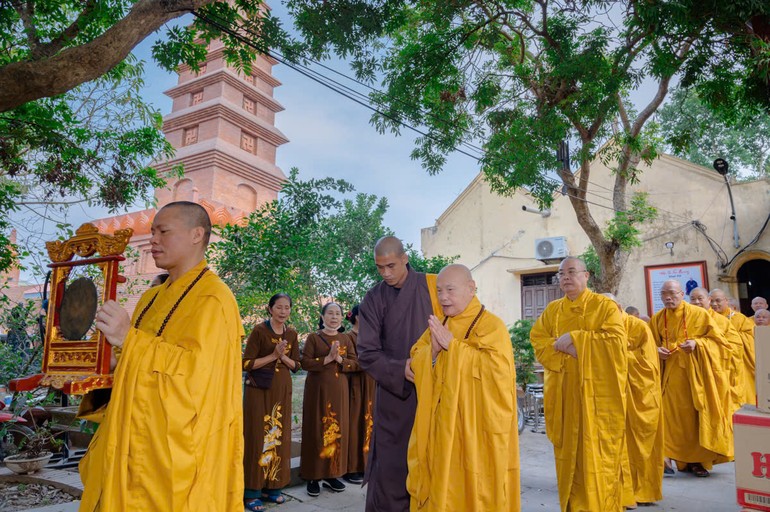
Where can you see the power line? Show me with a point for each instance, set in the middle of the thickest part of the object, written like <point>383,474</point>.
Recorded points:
<point>364,100</point>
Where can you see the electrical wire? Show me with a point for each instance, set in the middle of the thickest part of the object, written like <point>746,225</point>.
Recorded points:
<point>364,100</point>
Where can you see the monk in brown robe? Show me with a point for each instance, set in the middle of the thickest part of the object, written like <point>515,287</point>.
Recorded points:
<point>393,315</point>
<point>327,355</point>
<point>362,388</point>
<point>271,352</point>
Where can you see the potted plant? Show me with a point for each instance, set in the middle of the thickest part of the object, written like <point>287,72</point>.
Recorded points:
<point>33,451</point>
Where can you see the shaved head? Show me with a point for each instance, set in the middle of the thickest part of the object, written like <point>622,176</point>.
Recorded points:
<point>388,245</point>
<point>194,215</point>
<point>392,261</point>
<point>700,297</point>
<point>573,277</point>
<point>456,288</point>
<point>577,262</point>
<point>671,293</point>
<point>633,311</point>
<point>719,300</point>
<point>758,303</point>
<point>762,317</point>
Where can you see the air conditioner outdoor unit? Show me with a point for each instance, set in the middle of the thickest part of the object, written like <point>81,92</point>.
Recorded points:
<point>551,248</point>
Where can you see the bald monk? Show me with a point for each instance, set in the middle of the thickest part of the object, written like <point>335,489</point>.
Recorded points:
<point>732,359</point>
<point>392,316</point>
<point>696,430</point>
<point>758,303</point>
<point>581,342</point>
<point>464,448</point>
<point>762,317</point>
<point>171,438</point>
<point>745,327</point>
<point>644,423</point>
<point>633,311</point>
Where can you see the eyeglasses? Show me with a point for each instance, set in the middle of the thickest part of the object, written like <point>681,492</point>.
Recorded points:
<point>570,273</point>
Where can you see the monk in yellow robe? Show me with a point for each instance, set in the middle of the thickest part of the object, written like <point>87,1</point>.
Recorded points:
<point>732,360</point>
<point>690,346</point>
<point>581,342</point>
<point>464,449</point>
<point>745,328</point>
<point>644,422</point>
<point>171,439</point>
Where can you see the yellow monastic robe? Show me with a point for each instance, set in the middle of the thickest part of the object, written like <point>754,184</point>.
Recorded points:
<point>696,429</point>
<point>732,363</point>
<point>464,448</point>
<point>745,328</point>
<point>172,436</point>
<point>644,424</point>
<point>585,399</point>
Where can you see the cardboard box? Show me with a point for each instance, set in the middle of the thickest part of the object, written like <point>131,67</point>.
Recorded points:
<point>762,351</point>
<point>752,457</point>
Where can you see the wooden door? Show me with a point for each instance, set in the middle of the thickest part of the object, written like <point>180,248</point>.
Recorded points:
<point>537,290</point>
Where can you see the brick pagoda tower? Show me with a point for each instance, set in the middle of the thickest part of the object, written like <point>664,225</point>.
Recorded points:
<point>222,126</point>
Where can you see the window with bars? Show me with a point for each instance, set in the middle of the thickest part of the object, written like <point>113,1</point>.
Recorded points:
<point>248,142</point>
<point>249,105</point>
<point>196,97</point>
<point>190,135</point>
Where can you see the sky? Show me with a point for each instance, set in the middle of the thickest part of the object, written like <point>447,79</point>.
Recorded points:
<point>331,136</point>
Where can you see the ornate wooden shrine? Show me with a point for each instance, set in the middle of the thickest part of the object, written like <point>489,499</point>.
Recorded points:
<point>76,357</point>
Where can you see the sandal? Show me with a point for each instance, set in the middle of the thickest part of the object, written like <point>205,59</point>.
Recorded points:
<point>699,471</point>
<point>254,505</point>
<point>274,497</point>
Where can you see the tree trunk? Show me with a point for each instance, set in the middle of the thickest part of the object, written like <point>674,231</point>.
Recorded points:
<point>30,80</point>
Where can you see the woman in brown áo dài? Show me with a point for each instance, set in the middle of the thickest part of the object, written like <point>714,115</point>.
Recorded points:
<point>362,388</point>
<point>327,355</point>
<point>271,352</point>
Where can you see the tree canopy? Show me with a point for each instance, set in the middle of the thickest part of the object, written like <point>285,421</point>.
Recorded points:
<point>519,77</point>
<point>315,242</point>
<point>699,134</point>
<point>73,125</point>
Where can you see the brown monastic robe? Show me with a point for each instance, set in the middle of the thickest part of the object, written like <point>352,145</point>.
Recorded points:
<point>391,320</point>
<point>267,412</point>
<point>362,388</point>
<point>325,410</point>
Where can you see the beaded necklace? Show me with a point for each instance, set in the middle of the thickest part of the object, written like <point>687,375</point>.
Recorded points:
<point>665,328</point>
<point>173,308</point>
<point>468,332</point>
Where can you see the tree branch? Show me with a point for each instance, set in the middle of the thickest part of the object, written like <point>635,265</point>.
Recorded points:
<point>25,81</point>
<point>68,34</point>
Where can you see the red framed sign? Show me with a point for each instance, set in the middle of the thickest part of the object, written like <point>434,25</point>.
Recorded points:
<point>690,275</point>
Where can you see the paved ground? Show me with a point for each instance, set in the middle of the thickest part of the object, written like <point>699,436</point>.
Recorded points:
<point>682,492</point>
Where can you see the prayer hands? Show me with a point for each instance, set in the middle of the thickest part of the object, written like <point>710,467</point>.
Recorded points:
<point>280,349</point>
<point>688,346</point>
<point>408,373</point>
<point>114,322</point>
<point>663,353</point>
<point>440,336</point>
<point>334,353</point>
<point>564,344</point>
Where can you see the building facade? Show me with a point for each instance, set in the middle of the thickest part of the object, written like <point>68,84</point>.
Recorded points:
<point>497,238</point>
